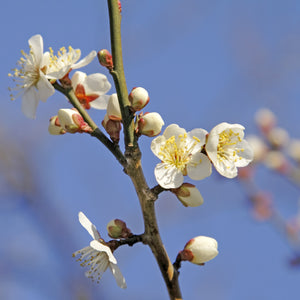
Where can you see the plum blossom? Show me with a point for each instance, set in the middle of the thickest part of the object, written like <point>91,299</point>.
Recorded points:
<point>227,149</point>
<point>98,256</point>
<point>180,153</point>
<point>31,78</point>
<point>90,89</point>
<point>65,61</point>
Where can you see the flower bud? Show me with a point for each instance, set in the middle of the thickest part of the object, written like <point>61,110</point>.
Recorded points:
<point>113,128</point>
<point>72,121</point>
<point>265,120</point>
<point>188,194</point>
<point>105,59</point>
<point>138,98</point>
<point>117,229</point>
<point>113,108</point>
<point>278,137</point>
<point>200,250</point>
<point>54,126</point>
<point>150,124</point>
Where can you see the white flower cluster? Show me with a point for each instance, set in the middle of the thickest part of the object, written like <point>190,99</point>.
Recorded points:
<point>192,153</point>
<point>38,70</point>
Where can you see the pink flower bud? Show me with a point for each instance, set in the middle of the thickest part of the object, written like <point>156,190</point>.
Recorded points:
<point>201,249</point>
<point>113,108</point>
<point>55,127</point>
<point>72,121</point>
<point>118,229</point>
<point>150,124</point>
<point>113,128</point>
<point>105,59</point>
<point>138,98</point>
<point>188,194</point>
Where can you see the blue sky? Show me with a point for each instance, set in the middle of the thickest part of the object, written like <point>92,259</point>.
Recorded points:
<point>202,62</point>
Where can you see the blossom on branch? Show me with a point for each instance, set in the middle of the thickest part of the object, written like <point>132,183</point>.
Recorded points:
<point>227,149</point>
<point>90,89</point>
<point>65,61</point>
<point>98,256</point>
<point>30,77</point>
<point>180,153</point>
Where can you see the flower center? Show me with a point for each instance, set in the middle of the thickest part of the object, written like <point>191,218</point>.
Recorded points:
<point>28,73</point>
<point>226,147</point>
<point>63,57</point>
<point>178,153</point>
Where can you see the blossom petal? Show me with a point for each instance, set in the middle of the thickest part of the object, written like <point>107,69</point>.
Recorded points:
<point>45,89</point>
<point>100,102</point>
<point>118,275</point>
<point>156,145</point>
<point>97,83</point>
<point>198,133</point>
<point>85,61</point>
<point>37,46</point>
<point>168,176</point>
<point>199,167</point>
<point>30,102</point>
<point>173,130</point>
<point>102,248</point>
<point>246,155</point>
<point>78,78</point>
<point>88,225</point>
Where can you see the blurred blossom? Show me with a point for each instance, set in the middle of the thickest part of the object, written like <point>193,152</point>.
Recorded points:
<point>294,150</point>
<point>258,146</point>
<point>278,137</point>
<point>276,160</point>
<point>265,120</point>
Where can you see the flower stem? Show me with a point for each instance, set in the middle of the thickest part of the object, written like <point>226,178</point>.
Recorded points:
<point>118,73</point>
<point>151,236</point>
<point>112,147</point>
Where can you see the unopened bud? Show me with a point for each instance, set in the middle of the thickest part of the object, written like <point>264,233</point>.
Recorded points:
<point>265,120</point>
<point>150,124</point>
<point>188,195</point>
<point>72,121</point>
<point>117,229</point>
<point>105,59</point>
<point>55,127</point>
<point>113,108</point>
<point>278,137</point>
<point>119,6</point>
<point>113,128</point>
<point>138,98</point>
<point>200,249</point>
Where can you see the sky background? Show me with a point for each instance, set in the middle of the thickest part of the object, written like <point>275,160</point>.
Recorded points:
<point>203,62</point>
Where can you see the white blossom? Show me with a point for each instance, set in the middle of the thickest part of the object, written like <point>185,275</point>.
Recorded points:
<point>180,153</point>
<point>65,61</point>
<point>227,148</point>
<point>30,77</point>
<point>97,256</point>
<point>90,89</point>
